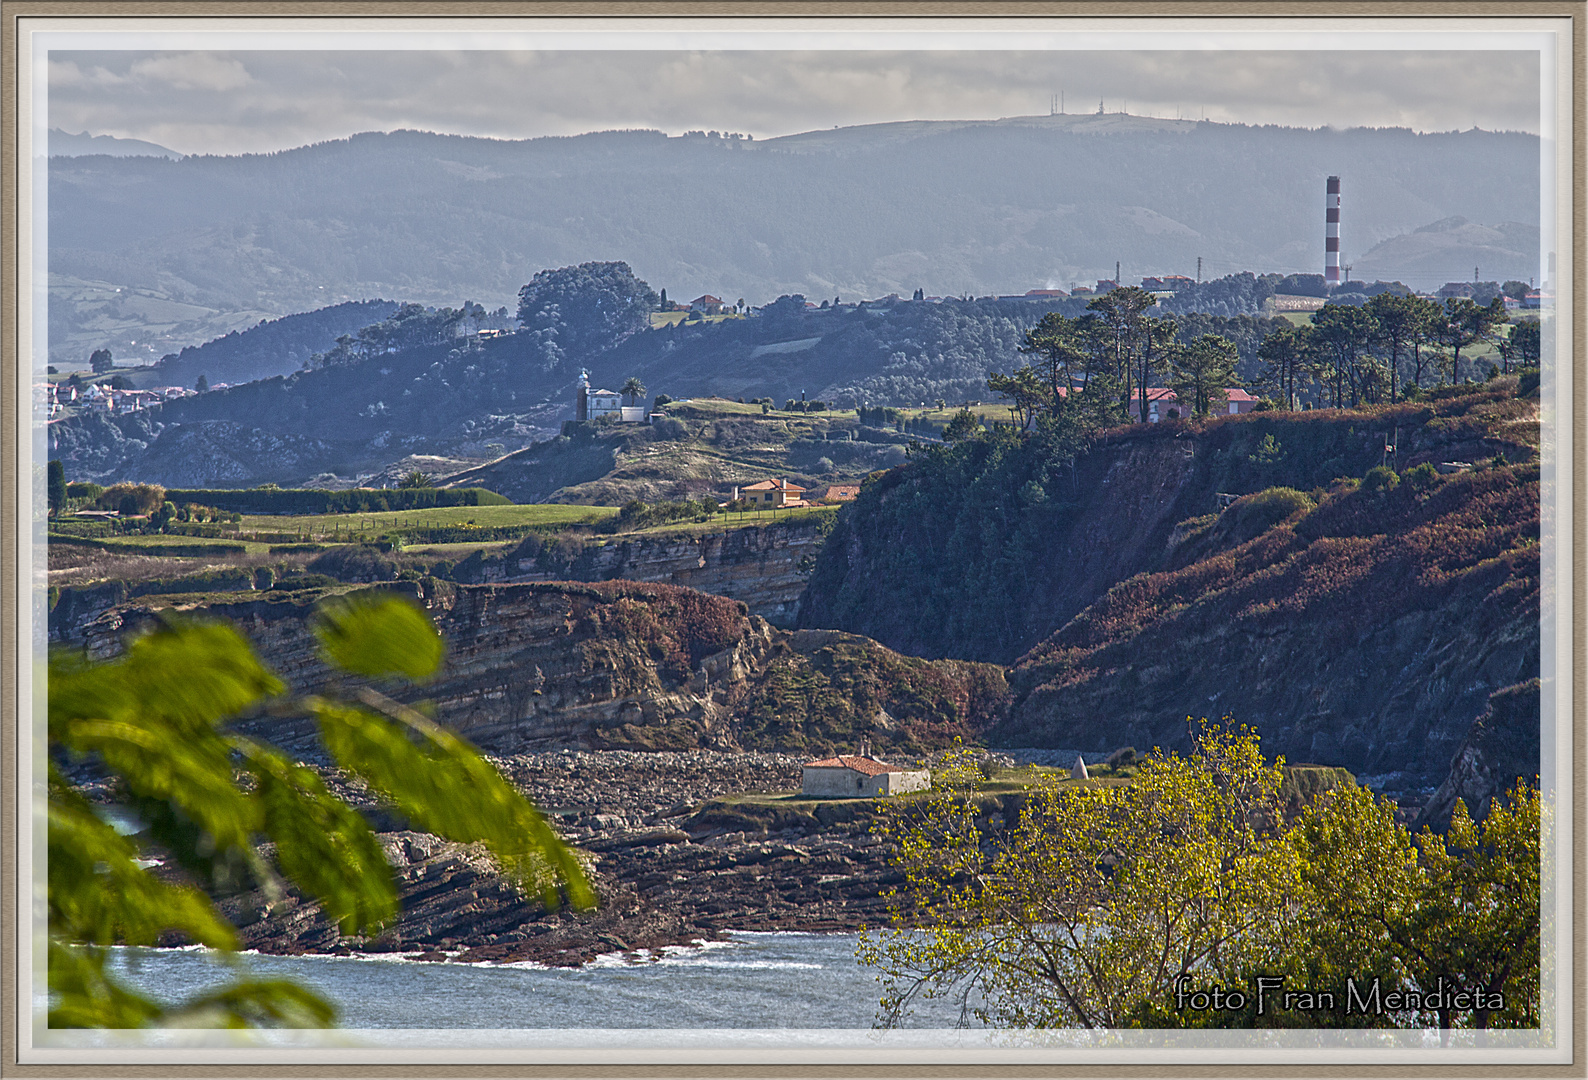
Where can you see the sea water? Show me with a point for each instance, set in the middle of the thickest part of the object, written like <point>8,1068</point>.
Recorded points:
<point>752,980</point>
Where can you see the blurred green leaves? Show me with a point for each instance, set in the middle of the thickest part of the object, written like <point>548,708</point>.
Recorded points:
<point>206,798</point>
<point>378,634</point>
<point>443,787</point>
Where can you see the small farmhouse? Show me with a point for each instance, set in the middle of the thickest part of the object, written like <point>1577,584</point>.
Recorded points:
<point>777,492</point>
<point>850,777</point>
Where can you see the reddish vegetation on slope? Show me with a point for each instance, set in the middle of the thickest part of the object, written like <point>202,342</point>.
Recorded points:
<point>1369,631</point>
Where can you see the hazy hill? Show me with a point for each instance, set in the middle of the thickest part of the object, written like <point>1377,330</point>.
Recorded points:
<point>1452,248</point>
<point>66,144</point>
<point>988,207</point>
<point>274,347</point>
<point>460,398</point>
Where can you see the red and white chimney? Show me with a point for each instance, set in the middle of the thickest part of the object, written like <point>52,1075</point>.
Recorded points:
<point>1331,232</point>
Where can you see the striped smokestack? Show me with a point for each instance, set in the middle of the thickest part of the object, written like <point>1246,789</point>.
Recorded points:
<point>1331,231</point>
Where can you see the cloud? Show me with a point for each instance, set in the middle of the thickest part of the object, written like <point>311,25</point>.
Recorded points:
<point>192,71</point>
<point>271,100</point>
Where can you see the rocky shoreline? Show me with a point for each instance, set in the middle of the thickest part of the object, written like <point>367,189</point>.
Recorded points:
<point>674,856</point>
<point>665,873</point>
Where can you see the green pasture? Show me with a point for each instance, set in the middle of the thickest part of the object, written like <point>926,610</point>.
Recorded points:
<point>371,525</point>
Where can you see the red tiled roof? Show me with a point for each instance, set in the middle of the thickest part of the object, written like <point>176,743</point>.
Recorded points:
<point>1238,395</point>
<point>869,766</point>
<point>843,491</point>
<point>771,485</point>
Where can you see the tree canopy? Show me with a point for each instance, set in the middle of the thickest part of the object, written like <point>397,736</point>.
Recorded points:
<point>1116,905</point>
<point>156,720</point>
<point>580,311</point>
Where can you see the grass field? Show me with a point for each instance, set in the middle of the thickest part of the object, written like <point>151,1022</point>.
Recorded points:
<point>660,319</point>
<point>319,526</point>
<point>138,545</point>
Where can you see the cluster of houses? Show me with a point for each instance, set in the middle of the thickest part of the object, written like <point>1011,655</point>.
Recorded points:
<point>1164,404</point>
<point>1533,300</point>
<point>53,399</point>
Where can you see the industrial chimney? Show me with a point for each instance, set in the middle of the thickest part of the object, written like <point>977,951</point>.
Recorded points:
<point>1331,232</point>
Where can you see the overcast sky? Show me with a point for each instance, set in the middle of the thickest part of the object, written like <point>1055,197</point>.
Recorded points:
<point>229,102</point>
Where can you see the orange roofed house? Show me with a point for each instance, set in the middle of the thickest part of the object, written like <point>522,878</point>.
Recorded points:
<point>777,492</point>
<point>1164,404</point>
<point>851,777</point>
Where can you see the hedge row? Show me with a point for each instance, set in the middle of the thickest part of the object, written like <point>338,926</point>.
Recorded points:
<point>222,548</point>
<point>465,534</point>
<point>353,501</point>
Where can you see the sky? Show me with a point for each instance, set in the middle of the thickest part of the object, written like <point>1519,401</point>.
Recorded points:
<point>242,101</point>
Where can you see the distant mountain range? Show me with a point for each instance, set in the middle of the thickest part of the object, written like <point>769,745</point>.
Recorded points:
<point>65,144</point>
<point>203,244</point>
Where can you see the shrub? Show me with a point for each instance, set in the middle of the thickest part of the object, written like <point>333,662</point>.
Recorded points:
<point>131,498</point>
<point>669,429</point>
<point>354,563</point>
<point>1525,386</point>
<point>231,579</point>
<point>1379,479</point>
<point>304,581</point>
<point>269,500</point>
<point>82,489</point>
<point>1254,515</point>
<point>1422,478</point>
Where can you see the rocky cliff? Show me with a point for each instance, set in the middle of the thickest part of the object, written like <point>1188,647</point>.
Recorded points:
<point>765,566</point>
<point>622,665</point>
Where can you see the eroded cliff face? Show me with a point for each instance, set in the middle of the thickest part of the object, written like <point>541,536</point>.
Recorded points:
<point>765,566</point>
<point>623,665</point>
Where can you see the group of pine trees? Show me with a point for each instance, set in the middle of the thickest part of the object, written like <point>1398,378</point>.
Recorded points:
<point>1348,354</point>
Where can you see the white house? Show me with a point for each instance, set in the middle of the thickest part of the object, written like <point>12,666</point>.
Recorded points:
<point>591,404</point>
<point>850,777</point>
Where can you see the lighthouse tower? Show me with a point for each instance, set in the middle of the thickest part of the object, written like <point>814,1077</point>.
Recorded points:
<point>1331,232</point>
<point>581,397</point>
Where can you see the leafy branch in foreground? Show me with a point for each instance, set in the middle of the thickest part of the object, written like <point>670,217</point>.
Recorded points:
<point>155,718</point>
<point>1108,906</point>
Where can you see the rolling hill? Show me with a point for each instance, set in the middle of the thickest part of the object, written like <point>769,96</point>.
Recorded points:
<point>954,208</point>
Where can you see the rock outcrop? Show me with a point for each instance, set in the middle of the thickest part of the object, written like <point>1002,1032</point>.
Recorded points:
<point>1501,746</point>
<point>765,566</point>
<point>662,876</point>
<point>620,665</point>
